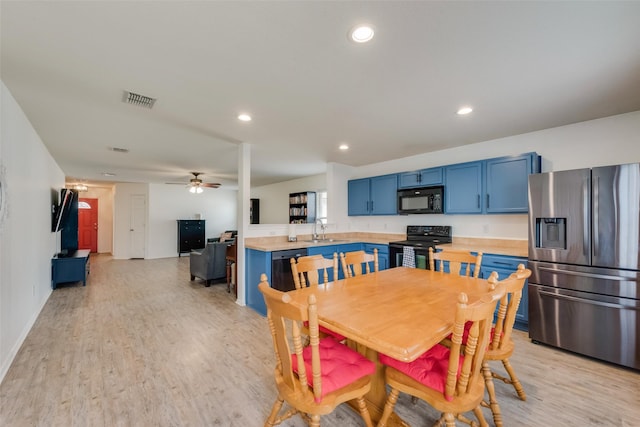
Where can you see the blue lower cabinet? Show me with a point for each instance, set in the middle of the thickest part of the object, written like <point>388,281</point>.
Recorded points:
<point>505,265</point>
<point>472,270</point>
<point>383,254</point>
<point>258,262</point>
<point>328,251</point>
<point>325,251</point>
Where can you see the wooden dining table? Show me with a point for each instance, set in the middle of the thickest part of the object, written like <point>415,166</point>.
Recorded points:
<point>401,312</point>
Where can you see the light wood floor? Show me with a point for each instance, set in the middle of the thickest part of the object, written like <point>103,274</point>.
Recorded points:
<point>141,345</point>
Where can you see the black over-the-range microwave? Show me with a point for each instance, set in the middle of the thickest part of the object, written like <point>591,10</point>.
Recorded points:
<point>423,200</point>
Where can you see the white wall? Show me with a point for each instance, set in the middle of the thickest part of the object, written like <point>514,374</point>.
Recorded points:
<point>607,141</point>
<point>274,198</point>
<point>28,175</point>
<point>168,203</point>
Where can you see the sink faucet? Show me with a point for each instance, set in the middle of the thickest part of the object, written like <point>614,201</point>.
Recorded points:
<point>315,229</point>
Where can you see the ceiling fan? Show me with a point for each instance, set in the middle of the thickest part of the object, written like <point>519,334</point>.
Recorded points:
<point>196,185</point>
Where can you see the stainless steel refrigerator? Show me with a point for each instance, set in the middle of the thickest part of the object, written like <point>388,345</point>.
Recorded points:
<point>584,253</point>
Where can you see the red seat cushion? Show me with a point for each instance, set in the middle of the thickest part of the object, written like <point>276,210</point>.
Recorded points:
<point>329,332</point>
<point>430,369</point>
<point>340,365</point>
<point>467,328</point>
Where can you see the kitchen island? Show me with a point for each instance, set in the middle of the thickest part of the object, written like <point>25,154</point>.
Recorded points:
<point>499,254</point>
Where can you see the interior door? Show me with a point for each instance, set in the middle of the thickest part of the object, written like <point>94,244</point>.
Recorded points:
<point>88,224</point>
<point>138,226</point>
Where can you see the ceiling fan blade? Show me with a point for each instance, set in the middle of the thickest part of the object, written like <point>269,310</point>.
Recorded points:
<point>210,184</point>
<point>177,183</point>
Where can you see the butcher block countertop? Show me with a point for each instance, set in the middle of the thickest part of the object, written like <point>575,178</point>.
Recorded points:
<point>508,247</point>
<point>280,243</point>
<point>485,245</point>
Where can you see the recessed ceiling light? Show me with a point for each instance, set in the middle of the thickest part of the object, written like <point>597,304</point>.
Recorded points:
<point>244,117</point>
<point>465,110</point>
<point>108,174</point>
<point>343,147</point>
<point>361,33</point>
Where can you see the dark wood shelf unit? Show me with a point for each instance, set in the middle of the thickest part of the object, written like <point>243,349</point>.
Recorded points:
<point>302,207</point>
<point>191,235</point>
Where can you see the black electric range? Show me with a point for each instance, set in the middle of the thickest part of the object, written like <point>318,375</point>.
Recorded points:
<point>420,238</point>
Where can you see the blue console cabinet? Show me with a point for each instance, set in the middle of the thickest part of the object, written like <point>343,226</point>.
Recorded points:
<point>74,268</point>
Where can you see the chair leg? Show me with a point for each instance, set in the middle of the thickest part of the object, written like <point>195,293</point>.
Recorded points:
<point>193,277</point>
<point>388,407</point>
<point>314,420</point>
<point>271,421</point>
<point>480,416</point>
<point>514,379</point>
<point>493,402</point>
<point>449,420</point>
<point>364,411</point>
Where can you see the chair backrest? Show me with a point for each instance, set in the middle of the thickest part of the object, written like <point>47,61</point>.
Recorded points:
<point>307,270</point>
<point>285,321</point>
<point>508,306</point>
<point>353,263</point>
<point>457,261</point>
<point>478,317</point>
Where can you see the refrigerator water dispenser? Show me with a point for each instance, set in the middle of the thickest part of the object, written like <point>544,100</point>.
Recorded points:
<point>551,233</point>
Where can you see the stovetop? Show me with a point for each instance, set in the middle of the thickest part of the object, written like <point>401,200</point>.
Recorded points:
<point>426,235</point>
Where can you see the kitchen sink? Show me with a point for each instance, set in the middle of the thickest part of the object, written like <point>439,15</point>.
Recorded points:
<point>325,241</point>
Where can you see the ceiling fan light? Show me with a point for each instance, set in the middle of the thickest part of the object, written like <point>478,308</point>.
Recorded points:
<point>198,190</point>
<point>192,190</point>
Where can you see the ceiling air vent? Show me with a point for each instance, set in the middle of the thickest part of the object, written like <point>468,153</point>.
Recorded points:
<point>137,99</point>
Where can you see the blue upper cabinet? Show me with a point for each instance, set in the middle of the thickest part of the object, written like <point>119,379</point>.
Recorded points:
<point>373,196</point>
<point>421,178</point>
<point>463,188</point>
<point>506,183</point>
<point>359,199</point>
<point>496,185</point>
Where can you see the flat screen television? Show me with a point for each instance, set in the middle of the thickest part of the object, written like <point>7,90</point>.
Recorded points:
<point>62,209</point>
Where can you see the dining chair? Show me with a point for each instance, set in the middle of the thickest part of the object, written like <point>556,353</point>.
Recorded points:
<point>501,345</point>
<point>449,379</point>
<point>458,261</point>
<point>313,380</point>
<point>307,271</point>
<point>358,262</point>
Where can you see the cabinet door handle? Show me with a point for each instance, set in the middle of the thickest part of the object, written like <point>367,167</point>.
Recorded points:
<point>372,206</point>
<point>478,201</point>
<point>487,201</point>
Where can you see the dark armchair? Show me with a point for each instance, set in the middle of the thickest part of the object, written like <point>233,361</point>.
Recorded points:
<point>209,263</point>
<point>230,236</point>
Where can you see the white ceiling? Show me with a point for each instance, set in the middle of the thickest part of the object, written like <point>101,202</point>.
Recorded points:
<point>523,66</point>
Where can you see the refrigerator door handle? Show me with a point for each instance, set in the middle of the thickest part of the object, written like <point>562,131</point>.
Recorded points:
<point>596,208</point>
<point>585,218</point>
<point>581,274</point>
<point>584,300</point>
